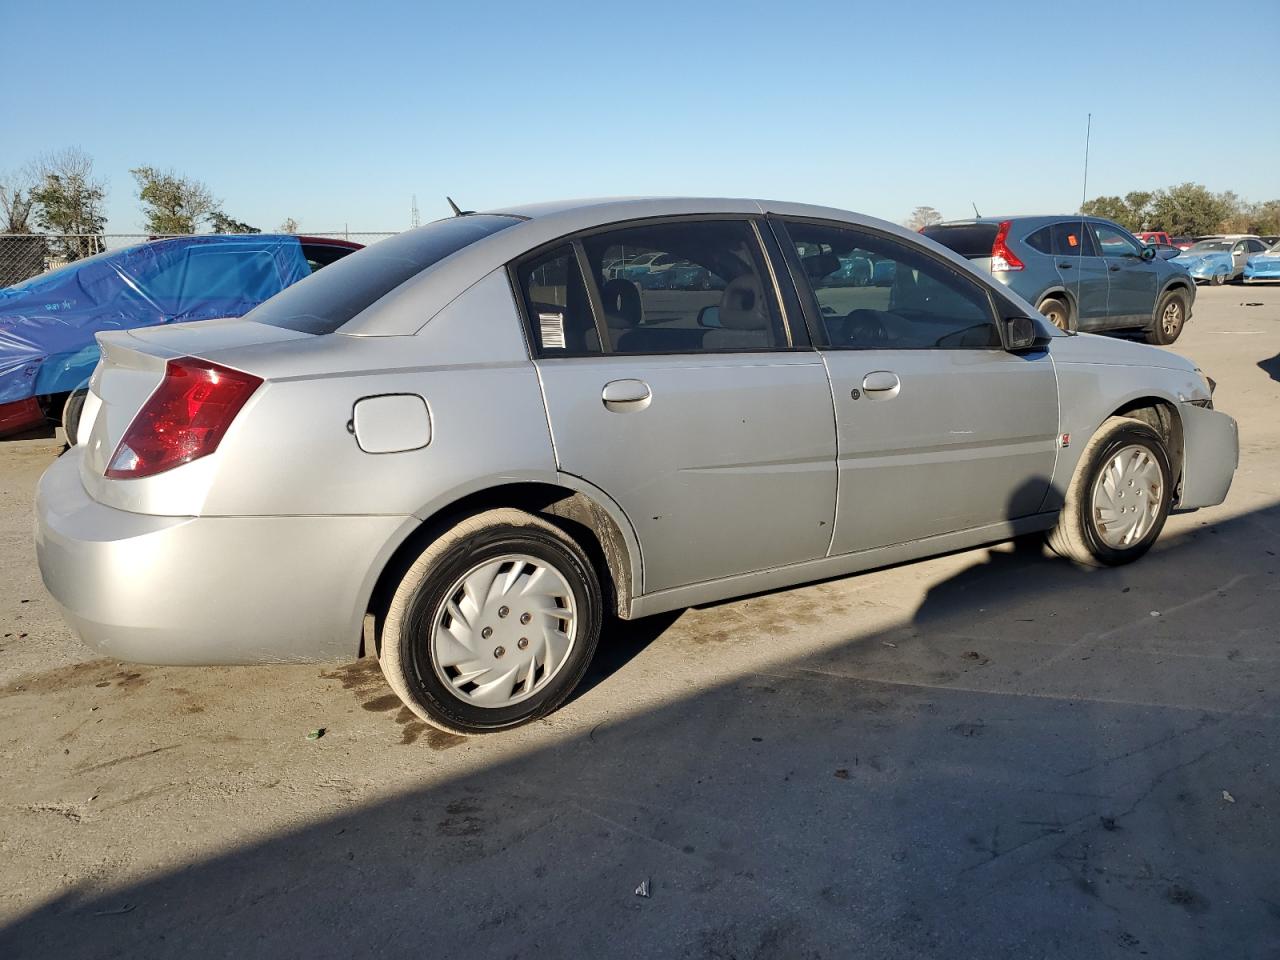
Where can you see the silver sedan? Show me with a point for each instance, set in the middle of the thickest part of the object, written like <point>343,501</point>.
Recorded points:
<point>462,448</point>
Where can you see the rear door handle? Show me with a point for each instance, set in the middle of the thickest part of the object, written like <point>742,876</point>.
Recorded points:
<point>1064,266</point>
<point>1115,269</point>
<point>621,396</point>
<point>881,385</point>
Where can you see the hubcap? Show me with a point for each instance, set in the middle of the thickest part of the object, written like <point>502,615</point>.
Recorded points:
<point>488,657</point>
<point>1171,319</point>
<point>1127,497</point>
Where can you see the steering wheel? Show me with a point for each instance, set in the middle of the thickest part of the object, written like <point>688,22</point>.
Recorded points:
<point>865,326</point>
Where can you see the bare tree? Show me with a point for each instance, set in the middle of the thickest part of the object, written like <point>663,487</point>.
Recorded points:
<point>16,204</point>
<point>290,225</point>
<point>923,217</point>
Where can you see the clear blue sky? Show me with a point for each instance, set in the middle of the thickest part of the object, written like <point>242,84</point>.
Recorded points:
<point>338,113</point>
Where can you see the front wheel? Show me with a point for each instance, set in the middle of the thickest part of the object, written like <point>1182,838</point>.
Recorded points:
<point>493,625</point>
<point>1171,315</point>
<point>1119,498</point>
<point>1218,279</point>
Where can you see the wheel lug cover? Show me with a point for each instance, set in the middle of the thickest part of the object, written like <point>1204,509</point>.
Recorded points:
<point>503,611</point>
<point>525,618</point>
<point>487,632</point>
<point>499,651</point>
<point>522,643</point>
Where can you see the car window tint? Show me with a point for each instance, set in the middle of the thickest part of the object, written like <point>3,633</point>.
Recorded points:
<point>325,301</point>
<point>1041,240</point>
<point>1114,242</point>
<point>557,304</point>
<point>1071,238</point>
<point>688,287</point>
<point>971,240</point>
<point>876,293</point>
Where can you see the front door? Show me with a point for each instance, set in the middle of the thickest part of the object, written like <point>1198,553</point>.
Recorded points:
<point>1131,292</point>
<point>688,403</point>
<point>938,428</point>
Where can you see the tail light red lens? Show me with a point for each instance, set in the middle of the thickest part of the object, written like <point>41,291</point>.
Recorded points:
<point>1002,258</point>
<point>184,420</point>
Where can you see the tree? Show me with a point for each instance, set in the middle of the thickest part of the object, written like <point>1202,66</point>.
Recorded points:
<point>170,203</point>
<point>67,203</point>
<point>1190,208</point>
<point>219,222</point>
<point>923,217</point>
<point>290,225</point>
<point>1133,211</point>
<point>17,208</point>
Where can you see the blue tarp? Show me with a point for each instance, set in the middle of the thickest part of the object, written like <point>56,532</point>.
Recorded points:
<point>47,324</point>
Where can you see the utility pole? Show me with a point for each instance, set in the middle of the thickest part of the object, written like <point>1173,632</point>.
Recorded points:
<point>414,219</point>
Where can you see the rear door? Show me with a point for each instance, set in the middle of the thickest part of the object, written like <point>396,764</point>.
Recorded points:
<point>699,411</point>
<point>939,429</point>
<point>1131,288</point>
<point>1082,270</point>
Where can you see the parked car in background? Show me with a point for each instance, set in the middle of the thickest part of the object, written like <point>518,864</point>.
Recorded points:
<point>1083,273</point>
<point>1153,237</point>
<point>48,323</point>
<point>1218,260</point>
<point>1182,243</point>
<point>1263,266</point>
<point>471,440</point>
<point>1269,240</point>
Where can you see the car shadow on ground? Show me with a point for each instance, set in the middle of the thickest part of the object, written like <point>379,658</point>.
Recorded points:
<point>1271,367</point>
<point>966,783</point>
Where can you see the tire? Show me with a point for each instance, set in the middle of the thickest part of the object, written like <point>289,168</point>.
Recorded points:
<point>1056,312</point>
<point>1218,279</point>
<point>1080,535</point>
<point>71,411</point>
<point>1171,317</point>
<point>522,673</point>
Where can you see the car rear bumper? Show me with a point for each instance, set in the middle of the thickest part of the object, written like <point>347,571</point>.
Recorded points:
<point>1211,453</point>
<point>207,590</point>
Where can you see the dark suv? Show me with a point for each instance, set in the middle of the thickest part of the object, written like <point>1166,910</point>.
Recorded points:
<point>1082,273</point>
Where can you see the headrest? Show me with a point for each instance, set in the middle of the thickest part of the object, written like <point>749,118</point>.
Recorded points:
<point>742,305</point>
<point>623,308</point>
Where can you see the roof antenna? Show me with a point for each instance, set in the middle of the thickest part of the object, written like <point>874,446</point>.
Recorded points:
<point>456,211</point>
<point>975,210</point>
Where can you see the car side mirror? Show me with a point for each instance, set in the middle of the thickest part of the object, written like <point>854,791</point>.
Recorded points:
<point>1148,253</point>
<point>1020,334</point>
<point>709,316</point>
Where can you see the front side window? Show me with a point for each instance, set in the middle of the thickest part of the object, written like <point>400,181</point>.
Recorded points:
<point>1114,242</point>
<point>873,293</point>
<point>684,287</point>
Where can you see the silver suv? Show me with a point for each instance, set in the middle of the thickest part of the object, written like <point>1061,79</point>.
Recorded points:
<point>461,449</point>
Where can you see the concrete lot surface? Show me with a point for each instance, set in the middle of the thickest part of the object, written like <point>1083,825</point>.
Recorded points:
<point>992,754</point>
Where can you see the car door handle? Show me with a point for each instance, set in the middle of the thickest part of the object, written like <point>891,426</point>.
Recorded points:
<point>1065,266</point>
<point>1115,268</point>
<point>881,385</point>
<point>621,396</point>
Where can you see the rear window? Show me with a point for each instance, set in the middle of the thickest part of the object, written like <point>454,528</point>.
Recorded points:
<point>326,300</point>
<point>970,240</point>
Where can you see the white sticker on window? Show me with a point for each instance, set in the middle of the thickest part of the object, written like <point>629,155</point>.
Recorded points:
<point>552,327</point>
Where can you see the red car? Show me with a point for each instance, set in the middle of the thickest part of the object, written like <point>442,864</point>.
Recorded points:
<point>1153,236</point>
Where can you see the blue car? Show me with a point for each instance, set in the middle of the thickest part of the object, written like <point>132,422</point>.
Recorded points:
<point>1217,260</point>
<point>1263,266</point>
<point>48,323</point>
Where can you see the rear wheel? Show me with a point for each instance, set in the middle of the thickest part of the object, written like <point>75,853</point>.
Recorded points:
<point>1118,499</point>
<point>1056,312</point>
<point>1218,279</point>
<point>493,625</point>
<point>1171,315</point>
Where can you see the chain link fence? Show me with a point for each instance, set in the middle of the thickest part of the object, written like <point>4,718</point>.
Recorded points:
<point>26,255</point>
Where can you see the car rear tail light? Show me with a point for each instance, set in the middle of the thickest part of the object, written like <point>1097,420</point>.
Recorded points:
<point>1002,258</point>
<point>184,420</point>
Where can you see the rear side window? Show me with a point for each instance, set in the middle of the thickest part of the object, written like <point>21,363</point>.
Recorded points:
<point>558,306</point>
<point>970,240</point>
<point>326,300</point>
<point>1071,238</point>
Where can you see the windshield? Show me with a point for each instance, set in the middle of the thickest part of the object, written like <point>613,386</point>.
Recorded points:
<point>58,274</point>
<point>324,301</point>
<point>1210,246</point>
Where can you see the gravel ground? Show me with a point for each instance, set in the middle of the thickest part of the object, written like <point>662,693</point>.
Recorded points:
<point>991,754</point>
